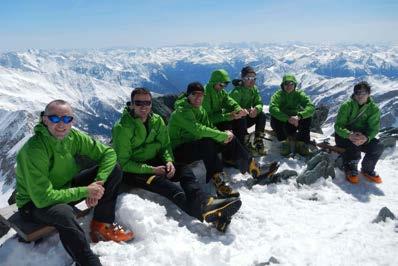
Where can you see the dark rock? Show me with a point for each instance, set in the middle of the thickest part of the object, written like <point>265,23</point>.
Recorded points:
<point>320,116</point>
<point>272,260</point>
<point>3,229</point>
<point>384,213</point>
<point>164,105</point>
<point>11,199</point>
<point>321,165</point>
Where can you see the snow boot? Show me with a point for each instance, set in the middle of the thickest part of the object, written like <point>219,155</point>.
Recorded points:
<point>254,169</point>
<point>223,189</point>
<point>352,176</point>
<point>285,148</point>
<point>372,177</point>
<point>218,208</point>
<point>106,232</point>
<point>259,143</point>
<point>302,148</point>
<point>222,224</point>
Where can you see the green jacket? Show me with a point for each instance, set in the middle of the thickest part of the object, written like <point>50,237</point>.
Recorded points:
<point>368,123</point>
<point>283,105</point>
<point>135,144</point>
<point>188,124</point>
<point>247,97</point>
<point>218,104</point>
<point>46,167</point>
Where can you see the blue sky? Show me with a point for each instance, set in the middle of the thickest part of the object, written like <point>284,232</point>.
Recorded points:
<point>58,24</point>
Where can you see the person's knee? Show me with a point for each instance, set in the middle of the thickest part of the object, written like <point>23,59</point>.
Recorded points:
<point>63,215</point>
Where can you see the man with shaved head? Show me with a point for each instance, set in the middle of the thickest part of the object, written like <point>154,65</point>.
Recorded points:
<point>49,181</point>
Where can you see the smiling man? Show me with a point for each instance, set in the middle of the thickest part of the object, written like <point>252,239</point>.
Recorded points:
<point>49,179</point>
<point>357,124</point>
<point>142,144</point>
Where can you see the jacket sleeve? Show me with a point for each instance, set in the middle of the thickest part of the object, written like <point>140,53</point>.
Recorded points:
<point>215,117</point>
<point>234,94</point>
<point>34,168</point>
<point>121,143</point>
<point>258,102</point>
<point>95,150</point>
<point>188,121</point>
<point>274,108</point>
<point>374,123</point>
<point>309,107</point>
<point>164,138</point>
<point>230,104</point>
<point>340,125</point>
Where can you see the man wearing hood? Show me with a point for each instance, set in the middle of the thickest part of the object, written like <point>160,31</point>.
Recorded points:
<point>194,137</point>
<point>220,107</point>
<point>142,144</point>
<point>291,112</point>
<point>357,124</point>
<point>49,179</point>
<point>246,94</point>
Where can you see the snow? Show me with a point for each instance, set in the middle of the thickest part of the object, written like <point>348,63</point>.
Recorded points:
<point>326,223</point>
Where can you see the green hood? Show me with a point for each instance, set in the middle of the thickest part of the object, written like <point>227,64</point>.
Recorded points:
<point>289,77</point>
<point>219,75</point>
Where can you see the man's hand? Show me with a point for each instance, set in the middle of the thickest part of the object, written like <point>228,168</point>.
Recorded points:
<point>230,136</point>
<point>96,190</point>
<point>159,170</point>
<point>253,112</point>
<point>91,202</point>
<point>357,138</point>
<point>294,120</point>
<point>239,114</point>
<point>170,169</point>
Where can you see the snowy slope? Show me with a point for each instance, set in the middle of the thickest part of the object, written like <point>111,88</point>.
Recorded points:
<point>327,223</point>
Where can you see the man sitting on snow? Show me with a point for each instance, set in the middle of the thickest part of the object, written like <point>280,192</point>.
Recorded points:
<point>194,137</point>
<point>48,179</point>
<point>246,94</point>
<point>142,144</point>
<point>291,112</point>
<point>357,124</point>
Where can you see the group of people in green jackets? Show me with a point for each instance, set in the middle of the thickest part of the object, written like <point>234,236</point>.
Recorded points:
<point>149,154</point>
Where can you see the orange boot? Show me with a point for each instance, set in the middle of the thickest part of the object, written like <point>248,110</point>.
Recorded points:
<point>352,177</point>
<point>107,232</point>
<point>372,177</point>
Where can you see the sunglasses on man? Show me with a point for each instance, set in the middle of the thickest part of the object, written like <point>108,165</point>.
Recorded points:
<point>142,103</point>
<point>249,78</point>
<point>56,119</point>
<point>223,84</point>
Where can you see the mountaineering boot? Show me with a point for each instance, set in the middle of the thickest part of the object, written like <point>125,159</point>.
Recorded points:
<point>218,208</point>
<point>302,148</point>
<point>222,224</point>
<point>352,176</point>
<point>223,189</point>
<point>254,169</point>
<point>259,143</point>
<point>105,232</point>
<point>271,170</point>
<point>372,177</point>
<point>285,148</point>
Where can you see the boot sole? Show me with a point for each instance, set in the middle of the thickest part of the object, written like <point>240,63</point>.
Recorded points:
<point>225,211</point>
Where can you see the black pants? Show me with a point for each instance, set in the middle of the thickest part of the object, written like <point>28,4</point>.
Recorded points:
<point>239,126</point>
<point>207,149</point>
<point>61,216</point>
<point>189,196</point>
<point>285,129</point>
<point>352,154</point>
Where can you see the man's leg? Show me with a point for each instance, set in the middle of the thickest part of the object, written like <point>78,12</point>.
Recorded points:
<point>239,128</point>
<point>259,120</point>
<point>72,236</point>
<point>373,151</point>
<point>279,128</point>
<point>160,185</point>
<point>204,149</point>
<point>303,133</point>
<point>351,157</point>
<point>234,151</point>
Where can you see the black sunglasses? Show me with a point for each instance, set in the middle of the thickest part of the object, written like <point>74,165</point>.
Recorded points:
<point>288,83</point>
<point>224,84</point>
<point>142,103</point>
<point>56,119</point>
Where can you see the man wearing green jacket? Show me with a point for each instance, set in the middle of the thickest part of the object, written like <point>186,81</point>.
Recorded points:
<point>357,124</point>
<point>246,94</point>
<point>220,107</point>
<point>194,138</point>
<point>142,145</point>
<point>291,112</point>
<point>49,179</point>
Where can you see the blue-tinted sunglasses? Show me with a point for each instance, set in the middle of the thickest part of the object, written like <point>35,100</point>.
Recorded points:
<point>56,119</point>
